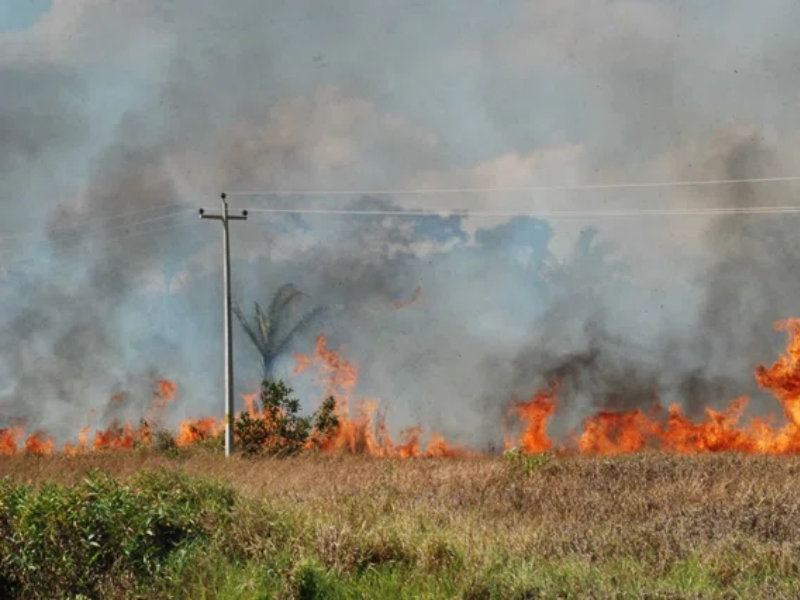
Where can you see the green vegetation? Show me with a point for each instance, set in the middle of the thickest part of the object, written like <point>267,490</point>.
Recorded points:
<point>277,429</point>
<point>269,330</point>
<point>102,537</point>
<point>195,525</point>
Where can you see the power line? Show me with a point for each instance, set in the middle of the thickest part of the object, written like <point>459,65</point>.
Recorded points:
<point>485,190</point>
<point>78,225</point>
<point>112,242</point>
<point>416,192</point>
<point>71,236</point>
<point>665,212</point>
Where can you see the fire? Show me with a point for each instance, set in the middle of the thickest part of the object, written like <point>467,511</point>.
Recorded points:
<point>339,375</point>
<point>38,443</point>
<point>165,392</point>
<point>535,414</point>
<point>609,433</point>
<point>783,377</point>
<point>196,430</point>
<point>126,436</point>
<point>250,403</point>
<point>113,437</point>
<point>120,437</point>
<point>83,439</point>
<point>9,439</point>
<point>360,431</point>
<point>363,429</point>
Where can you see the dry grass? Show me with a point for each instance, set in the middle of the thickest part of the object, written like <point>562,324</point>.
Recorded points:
<point>706,525</point>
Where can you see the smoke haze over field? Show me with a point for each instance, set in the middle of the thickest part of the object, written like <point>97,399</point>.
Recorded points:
<point>150,109</point>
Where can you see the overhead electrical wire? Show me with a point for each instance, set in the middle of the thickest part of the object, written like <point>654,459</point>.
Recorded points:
<point>76,244</point>
<point>72,235</point>
<point>75,227</point>
<point>4,237</point>
<point>65,244</point>
<point>516,189</point>
<point>642,212</point>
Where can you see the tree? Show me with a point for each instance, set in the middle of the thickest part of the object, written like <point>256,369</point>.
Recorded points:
<point>269,331</point>
<point>277,429</point>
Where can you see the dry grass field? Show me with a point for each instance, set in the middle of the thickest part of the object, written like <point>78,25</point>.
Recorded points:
<point>643,525</point>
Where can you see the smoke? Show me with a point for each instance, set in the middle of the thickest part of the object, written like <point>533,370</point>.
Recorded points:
<point>663,119</point>
<point>193,98</point>
<point>65,340</point>
<point>752,281</point>
<point>705,357</point>
<point>423,358</point>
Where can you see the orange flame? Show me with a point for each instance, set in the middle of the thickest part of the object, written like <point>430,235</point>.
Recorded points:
<point>9,439</point>
<point>80,448</point>
<point>363,433</point>
<point>363,429</point>
<point>339,375</point>
<point>165,392</point>
<point>610,433</point>
<point>535,414</point>
<point>39,444</point>
<point>250,403</point>
<point>196,430</point>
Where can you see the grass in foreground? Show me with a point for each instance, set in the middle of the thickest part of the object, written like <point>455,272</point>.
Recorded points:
<point>197,526</point>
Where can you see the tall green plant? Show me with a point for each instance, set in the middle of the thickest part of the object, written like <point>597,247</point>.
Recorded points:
<point>278,430</point>
<point>270,330</point>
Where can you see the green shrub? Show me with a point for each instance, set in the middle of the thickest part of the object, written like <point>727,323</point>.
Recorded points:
<point>278,430</point>
<point>101,537</point>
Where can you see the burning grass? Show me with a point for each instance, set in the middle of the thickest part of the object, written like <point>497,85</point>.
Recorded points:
<point>643,525</point>
<point>361,429</point>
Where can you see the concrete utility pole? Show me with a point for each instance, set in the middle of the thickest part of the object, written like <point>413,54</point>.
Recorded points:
<point>226,276</point>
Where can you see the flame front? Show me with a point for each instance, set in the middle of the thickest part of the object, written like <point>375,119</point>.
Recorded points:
<point>363,428</point>
<point>609,433</point>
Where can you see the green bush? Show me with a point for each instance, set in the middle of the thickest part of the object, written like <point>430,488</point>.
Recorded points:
<point>101,537</point>
<point>278,430</point>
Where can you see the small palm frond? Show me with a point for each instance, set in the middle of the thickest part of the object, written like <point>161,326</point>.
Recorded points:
<point>253,332</point>
<point>286,295</point>
<point>302,324</point>
<point>264,330</point>
<point>263,324</point>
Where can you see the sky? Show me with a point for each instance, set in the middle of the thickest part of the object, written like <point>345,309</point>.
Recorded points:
<point>20,16</point>
<point>149,110</point>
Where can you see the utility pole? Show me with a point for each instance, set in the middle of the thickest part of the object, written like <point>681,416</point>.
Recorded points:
<point>224,217</point>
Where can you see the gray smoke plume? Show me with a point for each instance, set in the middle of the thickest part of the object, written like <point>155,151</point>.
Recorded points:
<point>66,338</point>
<point>700,348</point>
<point>749,283</point>
<point>202,97</point>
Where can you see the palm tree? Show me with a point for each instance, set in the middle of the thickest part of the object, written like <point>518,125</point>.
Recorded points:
<point>267,331</point>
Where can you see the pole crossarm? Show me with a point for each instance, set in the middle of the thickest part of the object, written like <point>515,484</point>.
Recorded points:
<point>225,217</point>
<point>241,217</point>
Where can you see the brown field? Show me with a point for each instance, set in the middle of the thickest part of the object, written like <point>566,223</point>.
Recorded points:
<point>722,525</point>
